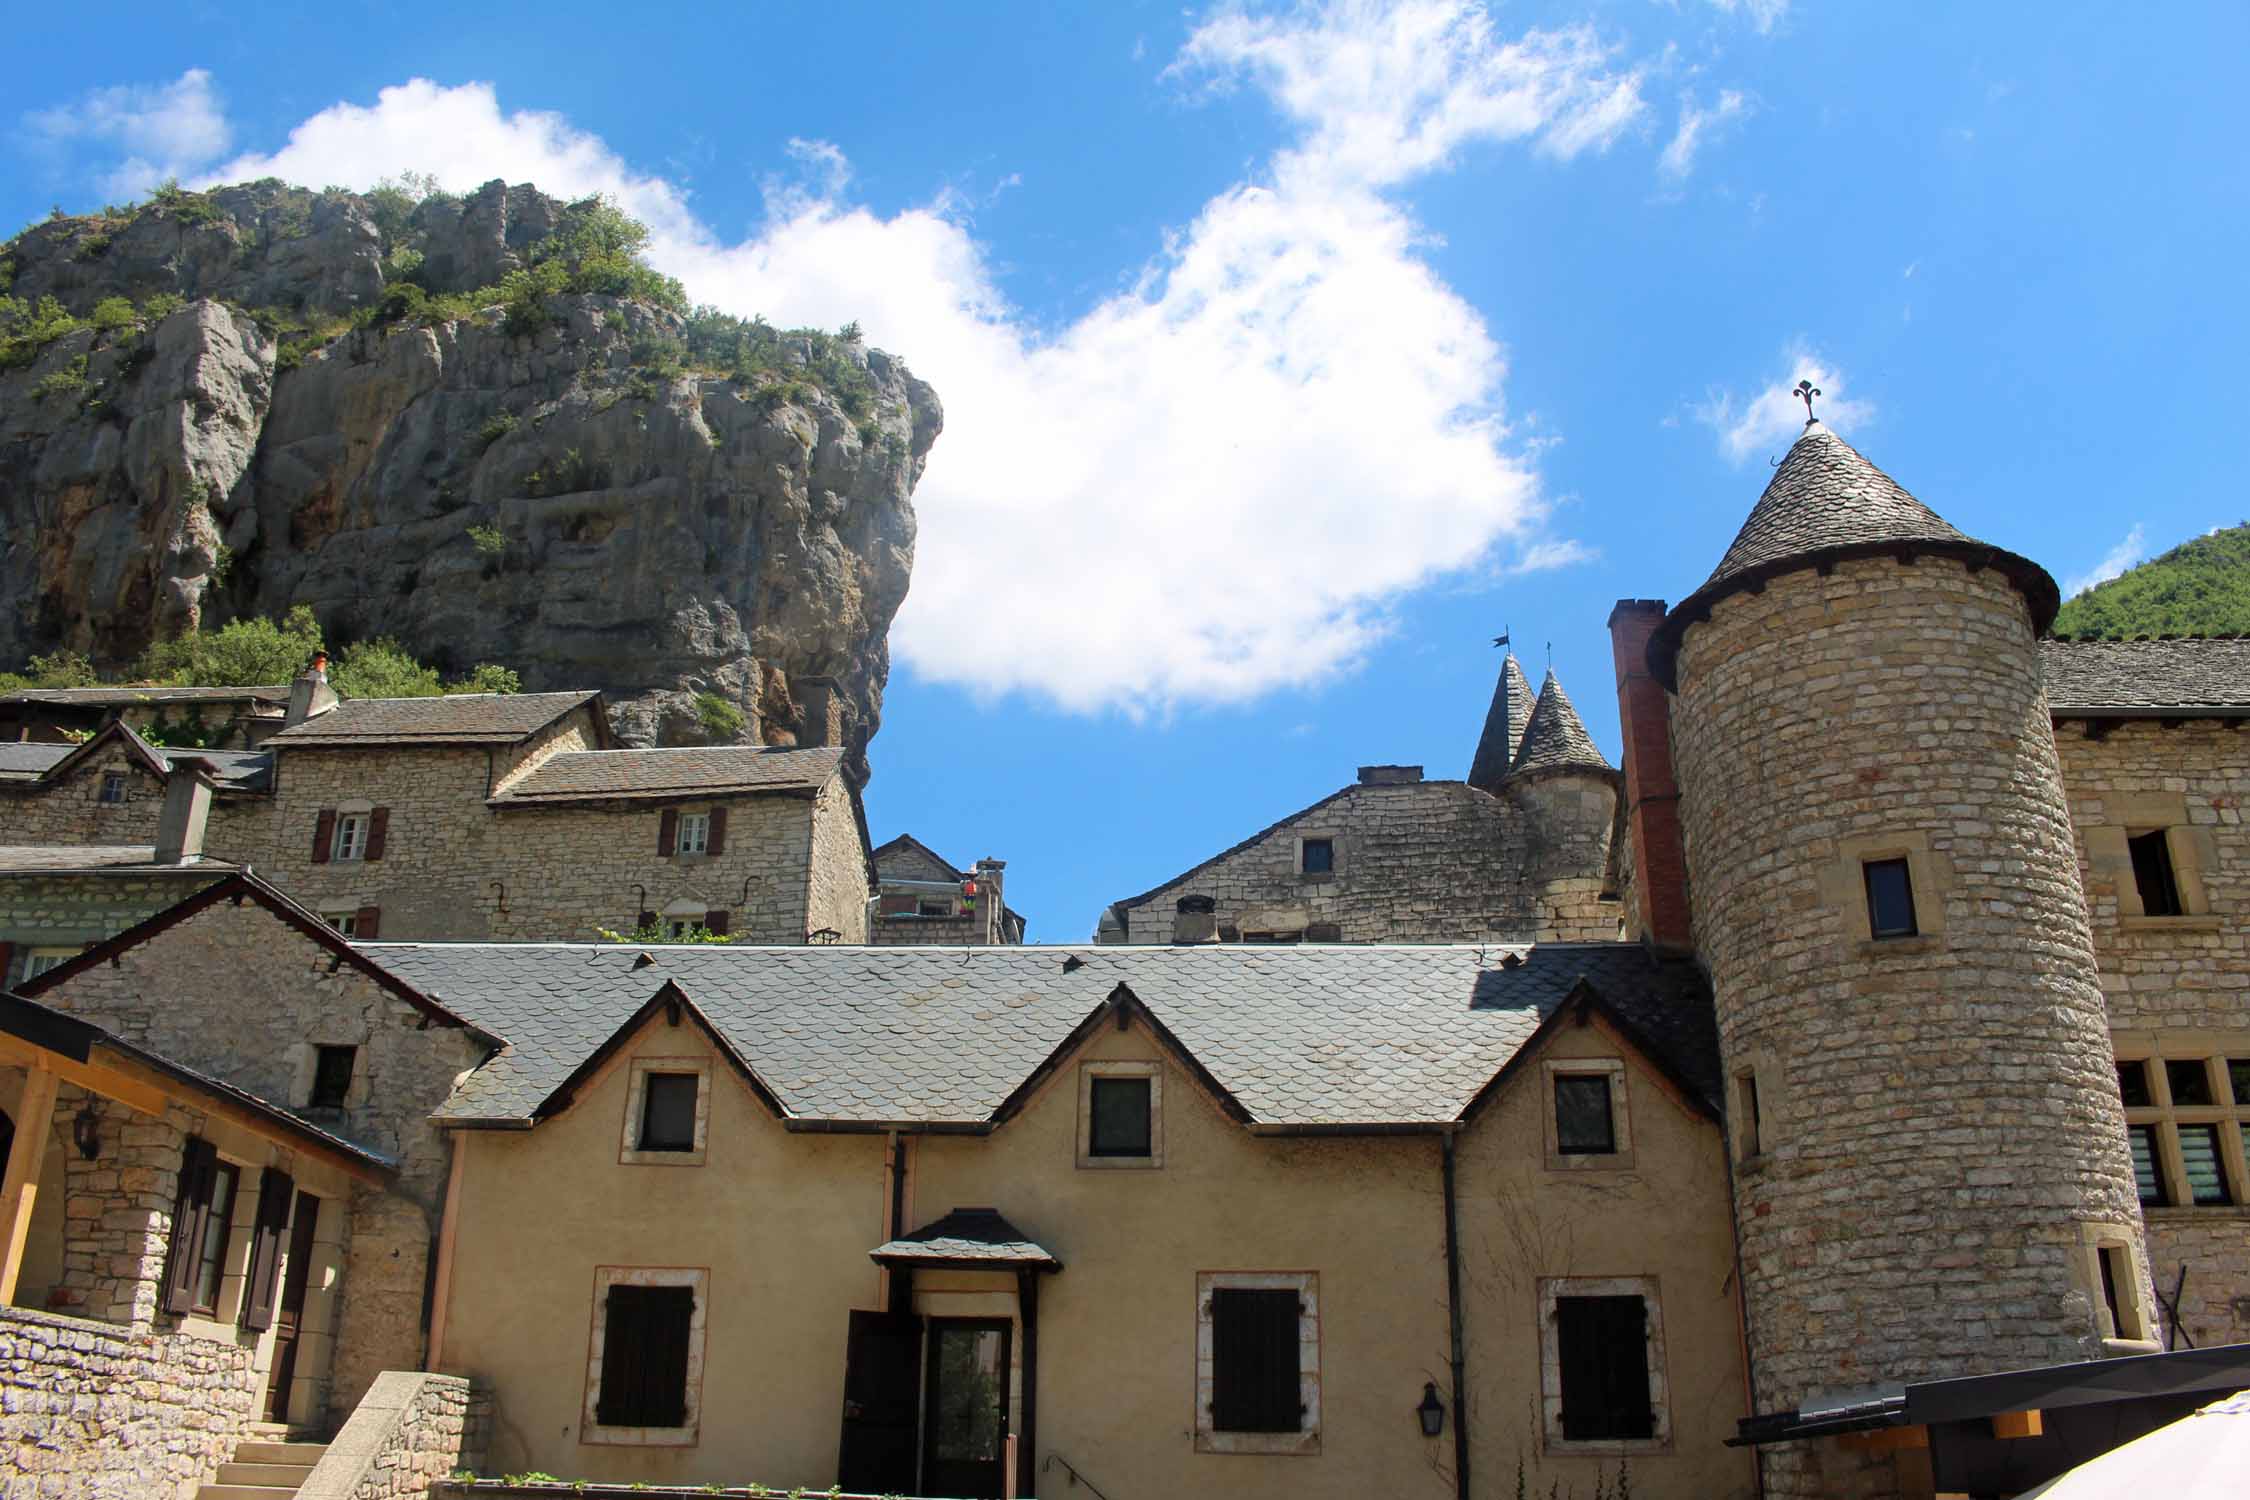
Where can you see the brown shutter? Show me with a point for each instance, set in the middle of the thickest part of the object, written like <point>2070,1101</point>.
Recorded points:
<point>324,835</point>
<point>718,922</point>
<point>378,824</point>
<point>667,831</point>
<point>367,922</point>
<point>199,1163</point>
<point>275,1189</point>
<point>897,906</point>
<point>644,921</point>
<point>718,844</point>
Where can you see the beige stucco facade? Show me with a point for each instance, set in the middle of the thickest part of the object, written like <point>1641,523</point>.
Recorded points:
<point>780,1223</point>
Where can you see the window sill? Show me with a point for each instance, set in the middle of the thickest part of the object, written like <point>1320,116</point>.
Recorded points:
<point>1901,947</point>
<point>638,1437</point>
<point>1559,1447</point>
<point>1087,1161</point>
<point>2197,922</point>
<point>660,1158</point>
<point>1591,1161</point>
<point>1300,1443</point>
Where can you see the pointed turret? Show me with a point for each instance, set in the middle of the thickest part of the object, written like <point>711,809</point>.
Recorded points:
<point>1556,738</point>
<point>1504,725</point>
<point>1824,505</point>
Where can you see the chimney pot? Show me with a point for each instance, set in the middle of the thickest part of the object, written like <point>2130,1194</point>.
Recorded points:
<point>822,722</point>
<point>1652,795</point>
<point>187,807</point>
<point>309,694</point>
<point>1389,775</point>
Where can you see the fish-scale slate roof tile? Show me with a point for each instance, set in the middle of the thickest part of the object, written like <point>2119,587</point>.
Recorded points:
<point>1300,1036</point>
<point>1556,738</point>
<point>1504,725</point>
<point>457,718</point>
<point>968,1234</point>
<point>2147,674</point>
<point>592,774</point>
<point>1827,502</point>
<point>24,759</point>
<point>231,770</point>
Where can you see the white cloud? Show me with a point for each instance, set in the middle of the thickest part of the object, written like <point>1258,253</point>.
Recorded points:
<point>1763,15</point>
<point>1695,123</point>
<point>1213,484</point>
<point>163,130</point>
<point>2132,549</point>
<point>1773,416</point>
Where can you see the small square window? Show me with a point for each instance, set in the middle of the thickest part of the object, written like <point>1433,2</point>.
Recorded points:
<point>351,837</point>
<point>2146,1178</point>
<point>1890,899</point>
<point>1583,1124</point>
<point>1118,1118</point>
<point>113,787</point>
<point>332,1077</point>
<point>668,1112</point>
<point>1318,857</point>
<point>2153,874</point>
<point>2189,1079</point>
<point>2132,1083</point>
<point>695,834</point>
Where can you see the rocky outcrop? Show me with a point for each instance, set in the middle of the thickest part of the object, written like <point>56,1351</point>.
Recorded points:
<point>568,499</point>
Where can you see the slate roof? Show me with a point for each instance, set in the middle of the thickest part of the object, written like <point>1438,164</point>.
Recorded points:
<point>456,719</point>
<point>1314,1036</point>
<point>591,775</point>
<point>2146,674</point>
<point>966,1236</point>
<point>1556,738</point>
<point>1825,503</point>
<point>1504,725</point>
<point>68,859</point>
<point>235,770</point>
<point>128,697</point>
<point>21,760</point>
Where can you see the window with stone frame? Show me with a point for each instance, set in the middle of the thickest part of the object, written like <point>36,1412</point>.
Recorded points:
<point>1120,1113</point>
<point>644,1372</point>
<point>667,1112</point>
<point>1587,1124</point>
<point>1602,1371</point>
<point>2187,1119</point>
<point>115,787</point>
<point>1890,898</point>
<point>1257,1362</point>
<point>2154,877</point>
<point>1316,855</point>
<point>332,1076</point>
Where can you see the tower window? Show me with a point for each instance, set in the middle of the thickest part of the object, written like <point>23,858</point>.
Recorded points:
<point>1890,899</point>
<point>1749,1128</point>
<point>2153,874</point>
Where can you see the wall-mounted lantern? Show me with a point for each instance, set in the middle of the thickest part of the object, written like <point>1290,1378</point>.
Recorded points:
<point>1432,1411</point>
<point>86,1132</point>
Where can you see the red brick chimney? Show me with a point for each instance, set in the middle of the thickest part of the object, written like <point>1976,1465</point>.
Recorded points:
<point>1652,796</point>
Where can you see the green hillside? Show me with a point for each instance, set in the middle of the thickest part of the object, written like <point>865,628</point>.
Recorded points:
<point>2198,588</point>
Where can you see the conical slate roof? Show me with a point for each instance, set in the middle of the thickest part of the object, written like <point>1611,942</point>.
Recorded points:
<point>1503,727</point>
<point>1826,503</point>
<point>1556,738</point>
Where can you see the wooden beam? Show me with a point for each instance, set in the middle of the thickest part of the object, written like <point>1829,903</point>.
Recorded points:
<point>19,1189</point>
<point>1886,1439</point>
<point>133,1093</point>
<point>2018,1424</point>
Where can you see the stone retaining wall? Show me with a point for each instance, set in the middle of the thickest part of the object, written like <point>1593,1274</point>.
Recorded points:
<point>91,1412</point>
<point>410,1430</point>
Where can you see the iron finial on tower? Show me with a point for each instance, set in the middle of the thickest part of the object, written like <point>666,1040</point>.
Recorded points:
<point>1502,638</point>
<point>1804,392</point>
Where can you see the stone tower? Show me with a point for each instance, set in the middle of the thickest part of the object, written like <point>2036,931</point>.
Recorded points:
<point>1570,791</point>
<point>1931,1172</point>
<point>1503,727</point>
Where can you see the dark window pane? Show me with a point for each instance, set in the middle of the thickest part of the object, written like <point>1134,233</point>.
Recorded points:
<point>2190,1080</point>
<point>1320,856</point>
<point>1890,899</point>
<point>1119,1123</point>
<point>212,1253</point>
<point>1254,1370</point>
<point>1603,1342</point>
<point>2152,872</point>
<point>2145,1175</point>
<point>2132,1084</point>
<point>332,1077</point>
<point>972,1394</point>
<point>2238,1079</point>
<point>1582,1121</point>
<point>645,1356</point>
<point>1752,1128</point>
<point>668,1112</point>
<point>2199,1155</point>
<point>2112,1270</point>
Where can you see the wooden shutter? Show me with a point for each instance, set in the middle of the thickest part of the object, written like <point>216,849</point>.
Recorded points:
<point>667,831</point>
<point>718,922</point>
<point>1254,1376</point>
<point>645,1356</point>
<point>199,1164</point>
<point>324,835</point>
<point>378,824</point>
<point>275,1190</point>
<point>718,840</point>
<point>897,906</point>
<point>1604,1347</point>
<point>367,923</point>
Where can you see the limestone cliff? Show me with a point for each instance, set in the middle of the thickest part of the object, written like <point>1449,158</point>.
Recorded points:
<point>302,405</point>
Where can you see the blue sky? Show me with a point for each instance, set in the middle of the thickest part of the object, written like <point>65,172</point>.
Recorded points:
<point>1291,353</point>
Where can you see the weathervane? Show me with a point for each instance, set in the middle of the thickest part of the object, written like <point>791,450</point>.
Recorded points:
<point>1502,638</point>
<point>1804,392</point>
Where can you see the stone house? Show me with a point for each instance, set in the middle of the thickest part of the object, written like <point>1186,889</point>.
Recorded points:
<point>921,898</point>
<point>1529,849</point>
<point>217,718</point>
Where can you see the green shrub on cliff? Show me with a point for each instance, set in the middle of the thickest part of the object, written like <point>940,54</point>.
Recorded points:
<point>256,652</point>
<point>2201,587</point>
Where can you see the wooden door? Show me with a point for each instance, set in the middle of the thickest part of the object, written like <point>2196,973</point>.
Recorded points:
<point>965,1408</point>
<point>882,1368</point>
<point>291,1313</point>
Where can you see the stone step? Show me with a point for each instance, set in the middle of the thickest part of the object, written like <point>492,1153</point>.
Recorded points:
<point>275,1476</point>
<point>307,1454</point>
<point>246,1492</point>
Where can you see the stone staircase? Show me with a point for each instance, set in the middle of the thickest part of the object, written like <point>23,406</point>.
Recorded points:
<point>264,1468</point>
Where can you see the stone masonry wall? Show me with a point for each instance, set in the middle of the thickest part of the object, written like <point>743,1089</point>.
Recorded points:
<point>117,1210</point>
<point>409,1431</point>
<point>1416,862</point>
<point>65,911</point>
<point>2178,986</point>
<point>93,1412</point>
<point>1940,1112</point>
<point>267,998</point>
<point>836,876</point>
<point>71,810</point>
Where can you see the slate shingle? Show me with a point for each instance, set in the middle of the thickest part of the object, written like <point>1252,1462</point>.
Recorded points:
<point>456,719</point>
<point>589,775</point>
<point>1556,738</point>
<point>2146,674</point>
